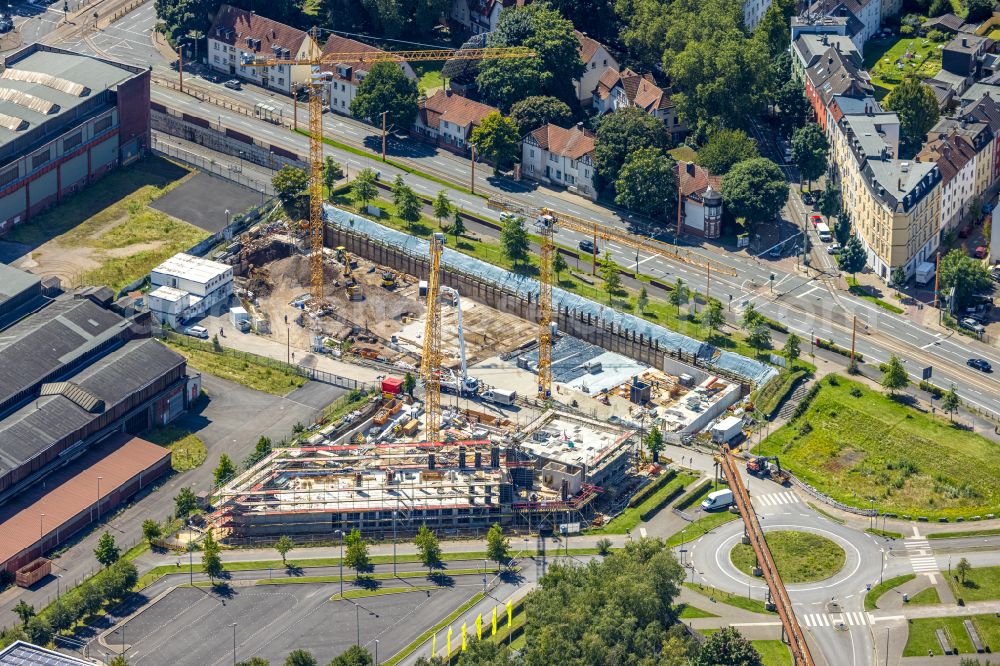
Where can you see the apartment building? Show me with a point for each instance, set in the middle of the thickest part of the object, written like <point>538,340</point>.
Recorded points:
<point>753,12</point>
<point>596,60</point>
<point>979,135</point>
<point>956,159</point>
<point>987,110</point>
<point>834,73</point>
<point>863,17</point>
<point>617,90</point>
<point>346,76</point>
<point>560,156</point>
<point>448,119</point>
<point>809,47</point>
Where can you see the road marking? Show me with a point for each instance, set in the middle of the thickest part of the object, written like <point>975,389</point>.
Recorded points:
<point>774,499</point>
<point>642,532</point>
<point>755,624</point>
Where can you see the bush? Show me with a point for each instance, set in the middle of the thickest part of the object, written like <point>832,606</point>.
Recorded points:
<point>771,395</point>
<point>937,36</point>
<point>856,392</point>
<point>829,345</point>
<point>801,408</point>
<point>695,492</point>
<point>805,429</point>
<point>935,391</point>
<point>907,30</point>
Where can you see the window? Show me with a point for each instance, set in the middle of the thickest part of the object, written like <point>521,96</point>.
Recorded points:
<point>102,124</point>
<point>215,58</point>
<point>71,142</point>
<point>8,177</point>
<point>593,65</point>
<point>40,158</point>
<point>532,151</point>
<point>531,168</point>
<point>281,81</point>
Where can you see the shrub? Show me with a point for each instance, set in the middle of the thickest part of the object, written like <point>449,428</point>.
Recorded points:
<point>651,488</point>
<point>935,391</point>
<point>801,408</point>
<point>856,392</point>
<point>906,30</point>
<point>805,429</point>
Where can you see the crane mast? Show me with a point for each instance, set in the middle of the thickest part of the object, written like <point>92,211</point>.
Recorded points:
<point>430,364</point>
<point>546,224</point>
<point>316,225</point>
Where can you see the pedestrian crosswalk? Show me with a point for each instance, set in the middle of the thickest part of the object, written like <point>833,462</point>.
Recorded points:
<point>851,619</point>
<point>919,551</point>
<point>774,499</point>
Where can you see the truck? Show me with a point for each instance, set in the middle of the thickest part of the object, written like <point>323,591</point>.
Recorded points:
<point>824,232</point>
<point>726,429</point>
<point>763,466</point>
<point>925,272</point>
<point>500,396</point>
<point>720,499</point>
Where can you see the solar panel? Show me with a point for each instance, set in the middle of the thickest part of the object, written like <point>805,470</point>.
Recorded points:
<point>26,654</point>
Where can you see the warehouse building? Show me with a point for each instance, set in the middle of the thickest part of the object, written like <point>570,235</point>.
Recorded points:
<point>20,293</point>
<point>65,120</point>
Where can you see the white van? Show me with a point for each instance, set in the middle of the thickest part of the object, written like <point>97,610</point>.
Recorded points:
<point>720,499</point>
<point>824,232</point>
<point>500,396</point>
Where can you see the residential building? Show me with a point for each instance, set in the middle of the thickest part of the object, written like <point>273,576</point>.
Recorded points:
<point>964,54</point>
<point>867,13</point>
<point>753,12</point>
<point>987,110</point>
<point>237,35</point>
<point>701,213</point>
<point>344,77</point>
<point>834,73</point>
<point>945,23</point>
<point>187,287</point>
<point>956,160</point>
<point>480,16</point>
<point>560,156</point>
<point>617,90</point>
<point>979,135</point>
<point>448,119</point>
<point>596,59</point>
<point>890,9</point>
<point>809,47</point>
<point>66,119</point>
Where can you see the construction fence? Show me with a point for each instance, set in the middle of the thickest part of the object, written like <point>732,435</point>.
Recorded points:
<point>228,171</point>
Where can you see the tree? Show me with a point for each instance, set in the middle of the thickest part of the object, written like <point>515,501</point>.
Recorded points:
<point>120,660</point>
<point>726,148</point>
<point>457,226</point>
<point>917,107</point>
<point>289,183</point>
<point>559,265</point>
<point>728,647</point>
<point>755,190</point>
<point>332,172</point>
<point>107,552</point>
<point>950,402</point>
<point>225,470</point>
<point>596,18</point>
<point>894,377</point>
<point>442,207</point>
<point>715,319</point>
<point>428,548</point>
<point>91,599</point>
<point>283,545</point>
<point>300,658</point>
<point>539,110</point>
<point>497,140</point>
<point>497,545</point>
<point>408,208</point>
<point>898,278</point>
<point>151,531</point>
<point>759,337</point>
<point>852,256</point>
<point>963,273</point>
<point>842,229</point>
<point>409,383</point>
<point>24,611</point>
<point>386,89</point>
<point>622,133</point>
<point>514,239</point>
<point>963,568</point>
<point>211,562</point>
<point>38,631</point>
<point>809,151</point>
<point>354,656</point>
<point>642,300</point>
<point>829,200</point>
<point>59,616</point>
<point>260,452</point>
<point>185,502</point>
<point>679,295</point>
<point>654,442</point>
<point>610,275</point>
<point>357,552</point>
<point>979,10</point>
<point>794,106</point>
<point>363,189</point>
<point>647,183</point>
<point>254,661</point>
<point>792,348</point>
<point>398,189</point>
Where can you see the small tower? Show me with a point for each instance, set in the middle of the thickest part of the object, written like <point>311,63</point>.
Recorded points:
<point>713,212</point>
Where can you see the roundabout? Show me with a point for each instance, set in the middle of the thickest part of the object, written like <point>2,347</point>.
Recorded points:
<point>801,557</point>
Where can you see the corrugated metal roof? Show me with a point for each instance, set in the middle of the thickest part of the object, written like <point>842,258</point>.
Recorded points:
<point>79,395</point>
<point>20,653</point>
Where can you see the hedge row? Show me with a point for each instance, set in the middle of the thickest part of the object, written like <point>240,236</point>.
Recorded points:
<point>695,492</point>
<point>801,408</point>
<point>829,345</point>
<point>648,491</point>
<point>652,511</point>
<point>770,397</point>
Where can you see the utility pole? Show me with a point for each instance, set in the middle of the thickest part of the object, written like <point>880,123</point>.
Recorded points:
<point>180,63</point>
<point>472,180</point>
<point>854,335</point>
<point>383,135</point>
<point>295,106</point>
<point>937,283</point>
<point>677,239</point>
<point>708,286</point>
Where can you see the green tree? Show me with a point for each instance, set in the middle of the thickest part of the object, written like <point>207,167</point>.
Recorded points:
<point>559,265</point>
<point>216,345</point>
<point>211,562</point>
<point>715,318</point>
<point>386,89</point>
<point>609,273</point>
<point>642,300</point>
<point>963,273</point>
<point>283,545</point>
<point>107,552</point>
<point>225,470</point>
<point>255,661</point>
<point>497,545</point>
<point>357,552</point>
<point>726,148</point>
<point>622,133</point>
<point>829,200</point>
<point>24,611</point>
<point>409,383</point>
<point>118,660</point>
<point>772,32</point>
<point>289,183</point>
<point>185,502</point>
<point>795,108</point>
<point>91,599</point>
<point>894,377</point>
<point>497,140</point>
<point>398,189</point>
<point>647,183</point>
<point>300,658</point>
<point>809,151</point>
<point>792,348</point>
<point>261,451</point>
<point>408,208</point>
<point>539,110</point>
<point>514,238</point>
<point>963,568</point>
<point>979,10</point>
<point>332,172</point>
<point>151,531</point>
<point>917,107</point>
<point>354,656</point>
<point>442,207</point>
<point>898,278</point>
<point>950,402</point>
<point>457,225</point>
<point>428,548</point>
<point>852,256</point>
<point>751,317</point>
<point>38,631</point>
<point>759,337</point>
<point>755,190</point>
<point>59,616</point>
<point>728,647</point>
<point>654,443</point>
<point>679,295</point>
<point>596,18</point>
<point>363,189</point>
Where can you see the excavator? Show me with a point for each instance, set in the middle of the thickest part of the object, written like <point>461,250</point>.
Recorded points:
<point>351,283</point>
<point>762,466</point>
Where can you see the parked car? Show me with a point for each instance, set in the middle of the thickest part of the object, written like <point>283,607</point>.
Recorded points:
<point>588,246</point>
<point>980,252</point>
<point>972,325</point>
<point>196,332</point>
<point>6,24</point>
<point>980,364</point>
<point>815,219</point>
<point>233,84</point>
<point>833,249</point>
<point>807,198</point>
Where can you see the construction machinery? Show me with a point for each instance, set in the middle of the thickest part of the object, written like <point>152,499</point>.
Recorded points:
<point>318,79</point>
<point>768,466</point>
<point>462,384</point>
<point>430,363</point>
<point>389,280</point>
<point>546,222</point>
<point>354,292</point>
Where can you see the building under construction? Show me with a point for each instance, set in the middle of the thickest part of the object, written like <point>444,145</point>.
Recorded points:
<point>551,473</point>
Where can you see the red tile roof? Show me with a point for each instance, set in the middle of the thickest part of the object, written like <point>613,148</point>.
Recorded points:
<point>453,108</point>
<point>952,153</point>
<point>573,143</point>
<point>695,179</point>
<point>588,46</point>
<point>337,44</point>
<point>234,26</point>
<point>640,89</point>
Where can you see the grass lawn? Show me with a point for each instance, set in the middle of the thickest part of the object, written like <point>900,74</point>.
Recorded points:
<point>927,597</point>
<point>873,595</point>
<point>860,444</point>
<point>630,517</point>
<point>917,55</point>
<point>923,639</point>
<point>801,557</point>
<point>428,76</point>
<point>187,451</point>
<point>256,376</point>
<point>888,534</point>
<point>703,525</point>
<point>981,584</point>
<point>773,653</point>
<point>359,594</point>
<point>966,533</point>
<point>683,153</point>
<point>739,601</point>
<point>693,612</point>
<point>862,292</point>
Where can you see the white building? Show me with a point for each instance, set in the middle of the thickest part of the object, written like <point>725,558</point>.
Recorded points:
<point>863,18</point>
<point>237,34</point>
<point>346,76</point>
<point>448,119</point>
<point>186,287</point>
<point>596,59</point>
<point>956,158</point>
<point>617,90</point>
<point>559,156</point>
<point>479,16</point>
<point>753,12</point>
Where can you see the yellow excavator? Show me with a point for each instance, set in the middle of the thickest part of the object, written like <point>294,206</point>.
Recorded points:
<point>350,282</point>
<point>389,280</point>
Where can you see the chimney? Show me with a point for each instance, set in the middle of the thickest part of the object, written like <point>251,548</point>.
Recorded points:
<point>447,92</point>
<point>965,41</point>
<point>579,127</point>
<point>689,167</point>
<point>826,39</point>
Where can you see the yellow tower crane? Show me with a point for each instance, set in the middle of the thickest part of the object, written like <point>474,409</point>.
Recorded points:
<point>430,363</point>
<point>548,221</point>
<point>317,80</point>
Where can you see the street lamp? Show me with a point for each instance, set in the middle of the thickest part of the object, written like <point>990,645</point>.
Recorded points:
<point>376,652</point>
<point>340,534</point>
<point>233,625</point>
<point>394,514</point>
<point>227,218</point>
